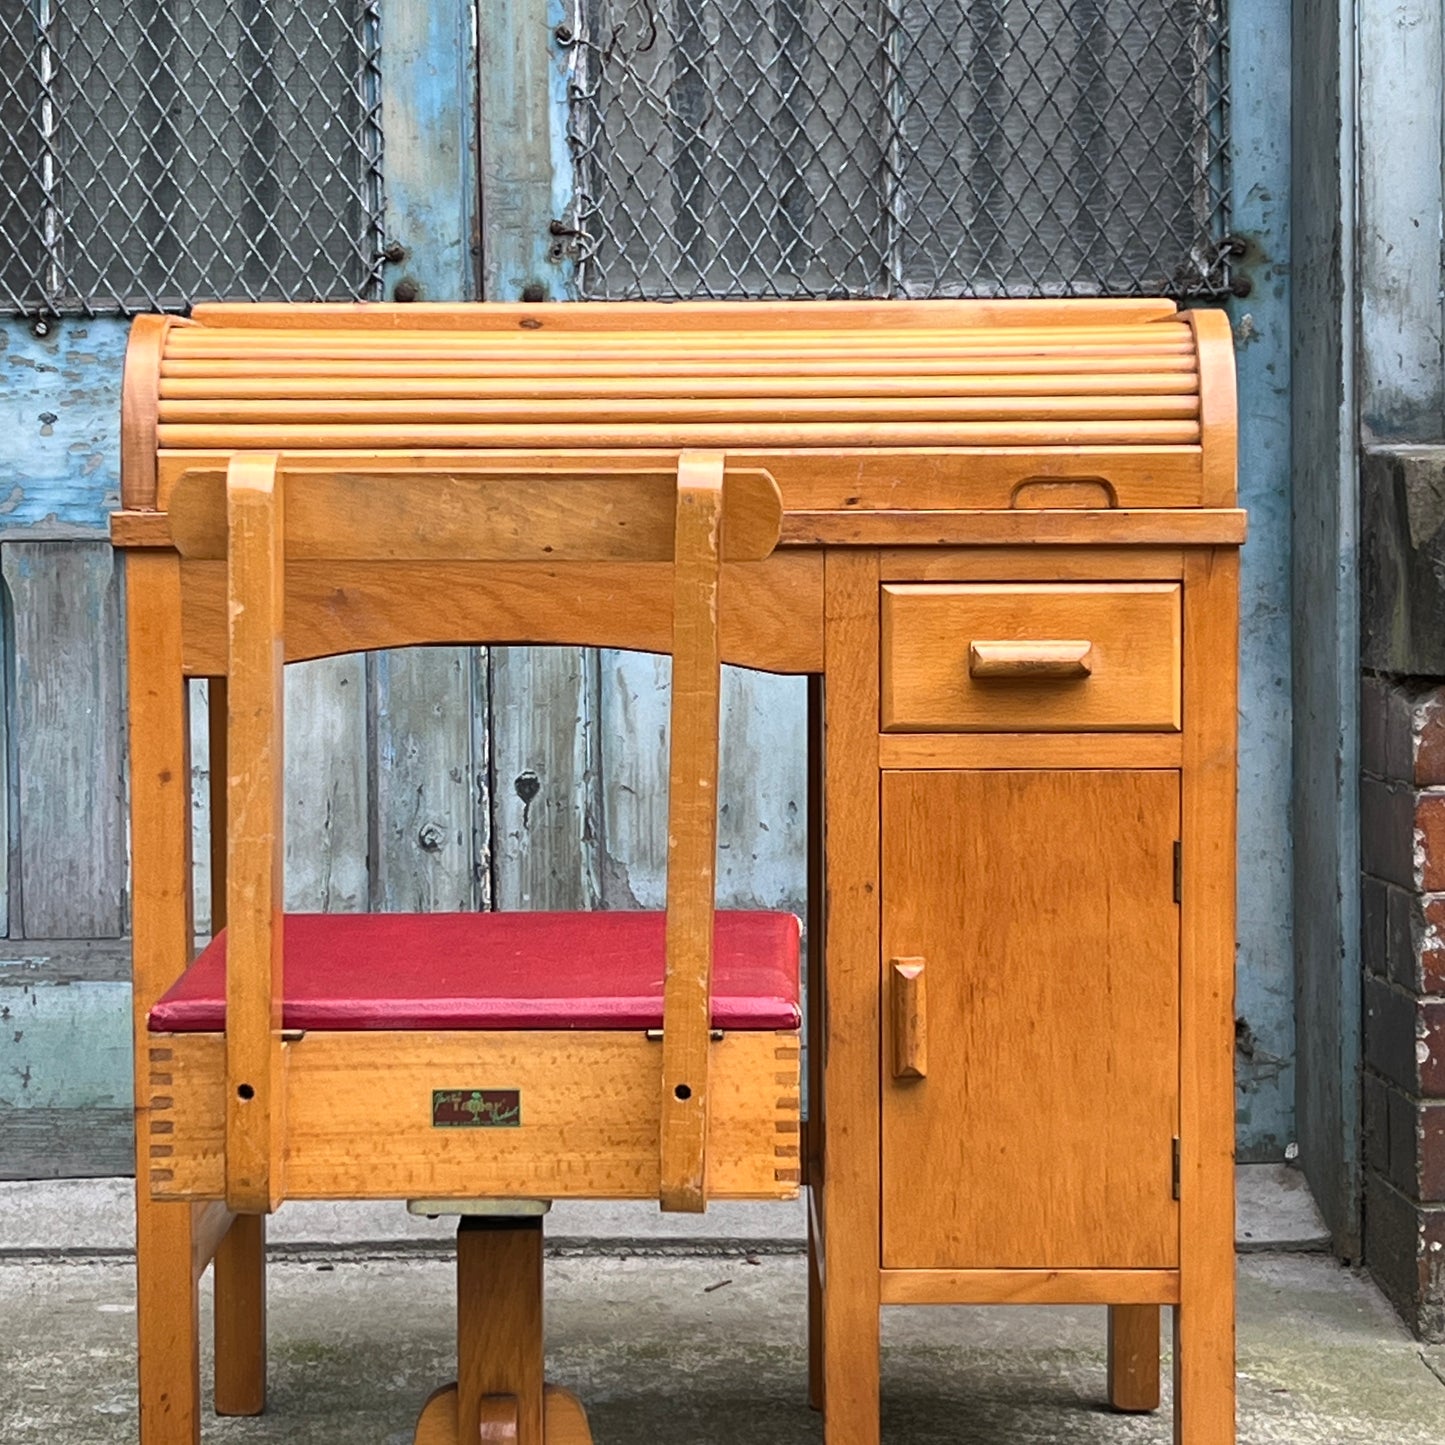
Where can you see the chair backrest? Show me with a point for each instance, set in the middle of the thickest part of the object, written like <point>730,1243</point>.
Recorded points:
<point>258,515</point>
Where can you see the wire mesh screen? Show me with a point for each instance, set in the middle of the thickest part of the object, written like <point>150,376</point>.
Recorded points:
<point>899,147</point>
<point>155,151</point>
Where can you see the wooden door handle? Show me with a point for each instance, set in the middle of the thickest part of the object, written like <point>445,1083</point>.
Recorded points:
<point>1030,659</point>
<point>910,1028</point>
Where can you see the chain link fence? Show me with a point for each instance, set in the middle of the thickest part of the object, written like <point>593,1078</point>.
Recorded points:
<point>158,151</point>
<point>899,147</point>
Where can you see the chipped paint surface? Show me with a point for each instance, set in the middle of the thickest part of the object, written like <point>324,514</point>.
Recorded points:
<point>1259,55</point>
<point>64,1045</point>
<point>60,424</point>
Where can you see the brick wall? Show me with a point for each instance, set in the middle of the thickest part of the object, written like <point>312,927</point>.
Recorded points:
<point>1402,819</point>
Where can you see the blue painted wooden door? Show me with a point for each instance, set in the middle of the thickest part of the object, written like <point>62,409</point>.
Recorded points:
<point>460,778</point>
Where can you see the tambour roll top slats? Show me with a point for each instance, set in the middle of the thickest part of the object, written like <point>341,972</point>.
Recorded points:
<point>1094,377</point>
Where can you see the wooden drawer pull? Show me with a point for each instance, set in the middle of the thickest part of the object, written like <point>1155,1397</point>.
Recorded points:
<point>1029,659</point>
<point>910,1029</point>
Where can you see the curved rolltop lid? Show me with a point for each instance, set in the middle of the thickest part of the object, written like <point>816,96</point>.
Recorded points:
<point>830,397</point>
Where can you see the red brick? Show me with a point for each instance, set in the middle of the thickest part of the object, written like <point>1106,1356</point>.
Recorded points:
<point>1427,731</point>
<point>1430,1046</point>
<point>1428,843</point>
<point>1430,1144</point>
<point>1430,946</point>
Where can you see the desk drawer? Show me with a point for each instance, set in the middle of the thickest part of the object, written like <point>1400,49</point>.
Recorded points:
<point>1031,657</point>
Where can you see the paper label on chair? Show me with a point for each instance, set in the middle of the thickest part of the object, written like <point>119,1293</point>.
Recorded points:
<point>476,1108</point>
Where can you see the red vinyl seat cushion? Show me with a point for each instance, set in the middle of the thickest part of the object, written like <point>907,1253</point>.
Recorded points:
<point>498,971</point>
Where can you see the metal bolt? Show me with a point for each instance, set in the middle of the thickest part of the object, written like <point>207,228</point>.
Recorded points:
<point>40,327</point>
<point>563,35</point>
<point>431,837</point>
<point>534,291</point>
<point>394,252</point>
<point>405,290</point>
<point>1241,286</point>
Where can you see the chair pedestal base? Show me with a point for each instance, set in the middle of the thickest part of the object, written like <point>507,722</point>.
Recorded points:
<point>500,1397</point>
<point>564,1422</point>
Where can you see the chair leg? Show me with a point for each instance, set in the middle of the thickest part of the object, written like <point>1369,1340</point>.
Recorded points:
<point>1134,1358</point>
<point>500,1397</point>
<point>167,1323</point>
<point>240,1295</point>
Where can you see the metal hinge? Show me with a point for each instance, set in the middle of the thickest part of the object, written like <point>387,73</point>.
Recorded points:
<point>1178,871</point>
<point>1175,1166</point>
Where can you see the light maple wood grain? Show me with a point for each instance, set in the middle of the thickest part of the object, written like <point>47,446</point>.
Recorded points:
<point>1031,1287</point>
<point>1037,562</point>
<point>961,528</point>
<point>1218,403</point>
<point>458,516</point>
<point>167,1304</point>
<point>852,1053</point>
<point>566,1421</point>
<point>1037,657</point>
<point>139,399</point>
<point>1030,750</point>
<point>210,1222</point>
<point>847,430</point>
<point>908,1005</point>
<point>1044,904</point>
<point>1204,1382</point>
<point>1134,1356</point>
<point>977,446</point>
<point>771,613</point>
<point>359,1120</point>
<point>255,885</point>
<point>832,478</point>
<point>634,317</point>
<point>815,993</point>
<point>691,831</point>
<point>240,1317</point>
<point>499,1329</point>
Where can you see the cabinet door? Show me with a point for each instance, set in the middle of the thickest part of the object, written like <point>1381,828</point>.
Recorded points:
<point>1041,906</point>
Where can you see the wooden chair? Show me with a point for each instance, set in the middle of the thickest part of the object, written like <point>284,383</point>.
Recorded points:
<point>478,1063</point>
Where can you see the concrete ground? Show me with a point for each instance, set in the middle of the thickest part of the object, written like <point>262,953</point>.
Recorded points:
<point>694,1341</point>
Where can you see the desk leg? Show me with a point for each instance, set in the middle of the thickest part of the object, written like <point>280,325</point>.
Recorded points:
<point>1204,1387</point>
<point>167,1304</point>
<point>851,1234</point>
<point>1134,1358</point>
<point>167,1321</point>
<point>817,925</point>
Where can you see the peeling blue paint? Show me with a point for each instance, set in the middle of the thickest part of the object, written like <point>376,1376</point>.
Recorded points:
<point>1260,128</point>
<point>526,168</point>
<point>428,110</point>
<point>60,425</point>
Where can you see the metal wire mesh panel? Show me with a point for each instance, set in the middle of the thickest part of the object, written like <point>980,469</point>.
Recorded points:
<point>156,151</point>
<point>899,147</point>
